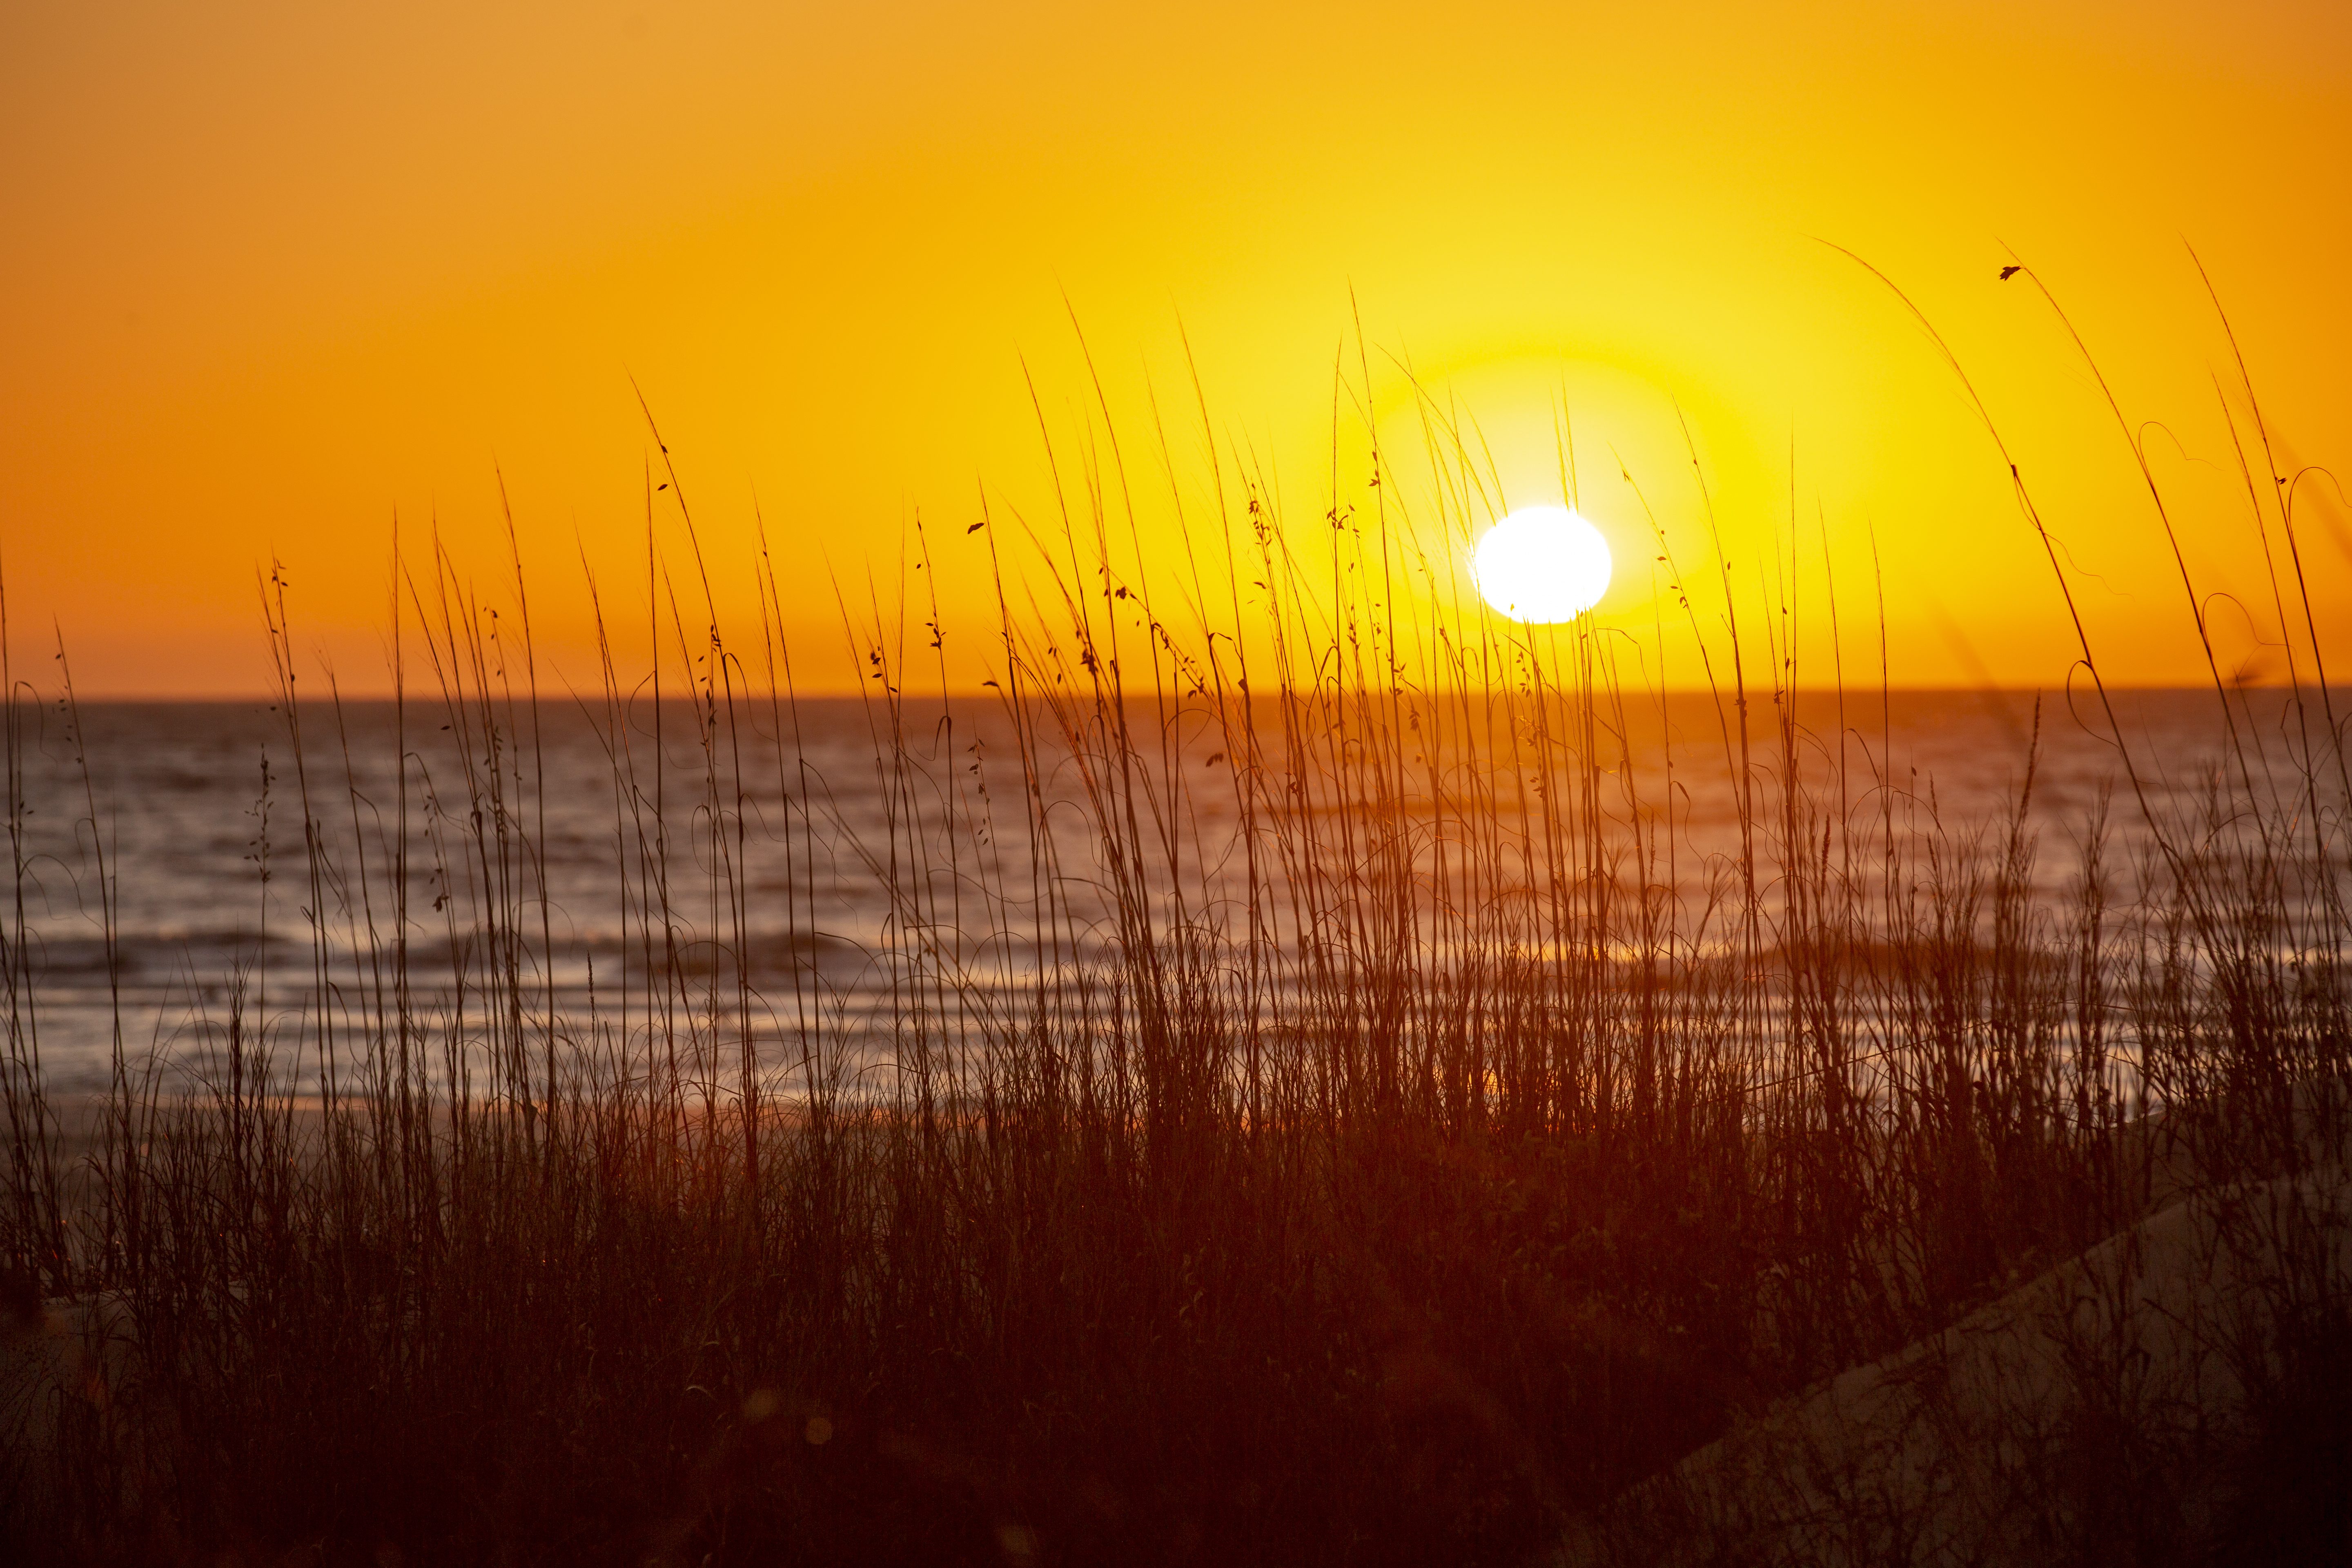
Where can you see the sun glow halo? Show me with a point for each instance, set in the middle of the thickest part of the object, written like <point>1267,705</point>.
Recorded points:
<point>1541,563</point>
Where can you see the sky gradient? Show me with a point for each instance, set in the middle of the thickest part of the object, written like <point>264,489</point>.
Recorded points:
<point>276,274</point>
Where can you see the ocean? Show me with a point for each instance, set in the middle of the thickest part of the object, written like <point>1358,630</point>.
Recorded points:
<point>831,868</point>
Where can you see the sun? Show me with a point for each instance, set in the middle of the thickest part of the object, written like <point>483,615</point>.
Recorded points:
<point>1541,563</point>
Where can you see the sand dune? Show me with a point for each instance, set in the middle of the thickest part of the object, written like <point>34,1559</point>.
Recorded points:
<point>2133,1377</point>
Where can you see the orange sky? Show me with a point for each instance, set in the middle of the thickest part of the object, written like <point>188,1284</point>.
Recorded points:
<point>274,272</point>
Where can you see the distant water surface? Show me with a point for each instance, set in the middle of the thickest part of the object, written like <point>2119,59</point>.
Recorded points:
<point>190,802</point>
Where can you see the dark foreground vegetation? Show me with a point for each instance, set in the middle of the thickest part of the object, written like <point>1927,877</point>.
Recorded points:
<point>1396,1137</point>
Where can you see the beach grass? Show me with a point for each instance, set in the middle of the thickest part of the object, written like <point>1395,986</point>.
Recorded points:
<point>1399,1133</point>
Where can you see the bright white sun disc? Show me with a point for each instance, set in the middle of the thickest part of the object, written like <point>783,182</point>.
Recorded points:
<point>1541,563</point>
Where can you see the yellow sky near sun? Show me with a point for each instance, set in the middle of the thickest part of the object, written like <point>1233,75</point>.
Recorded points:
<point>275,273</point>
